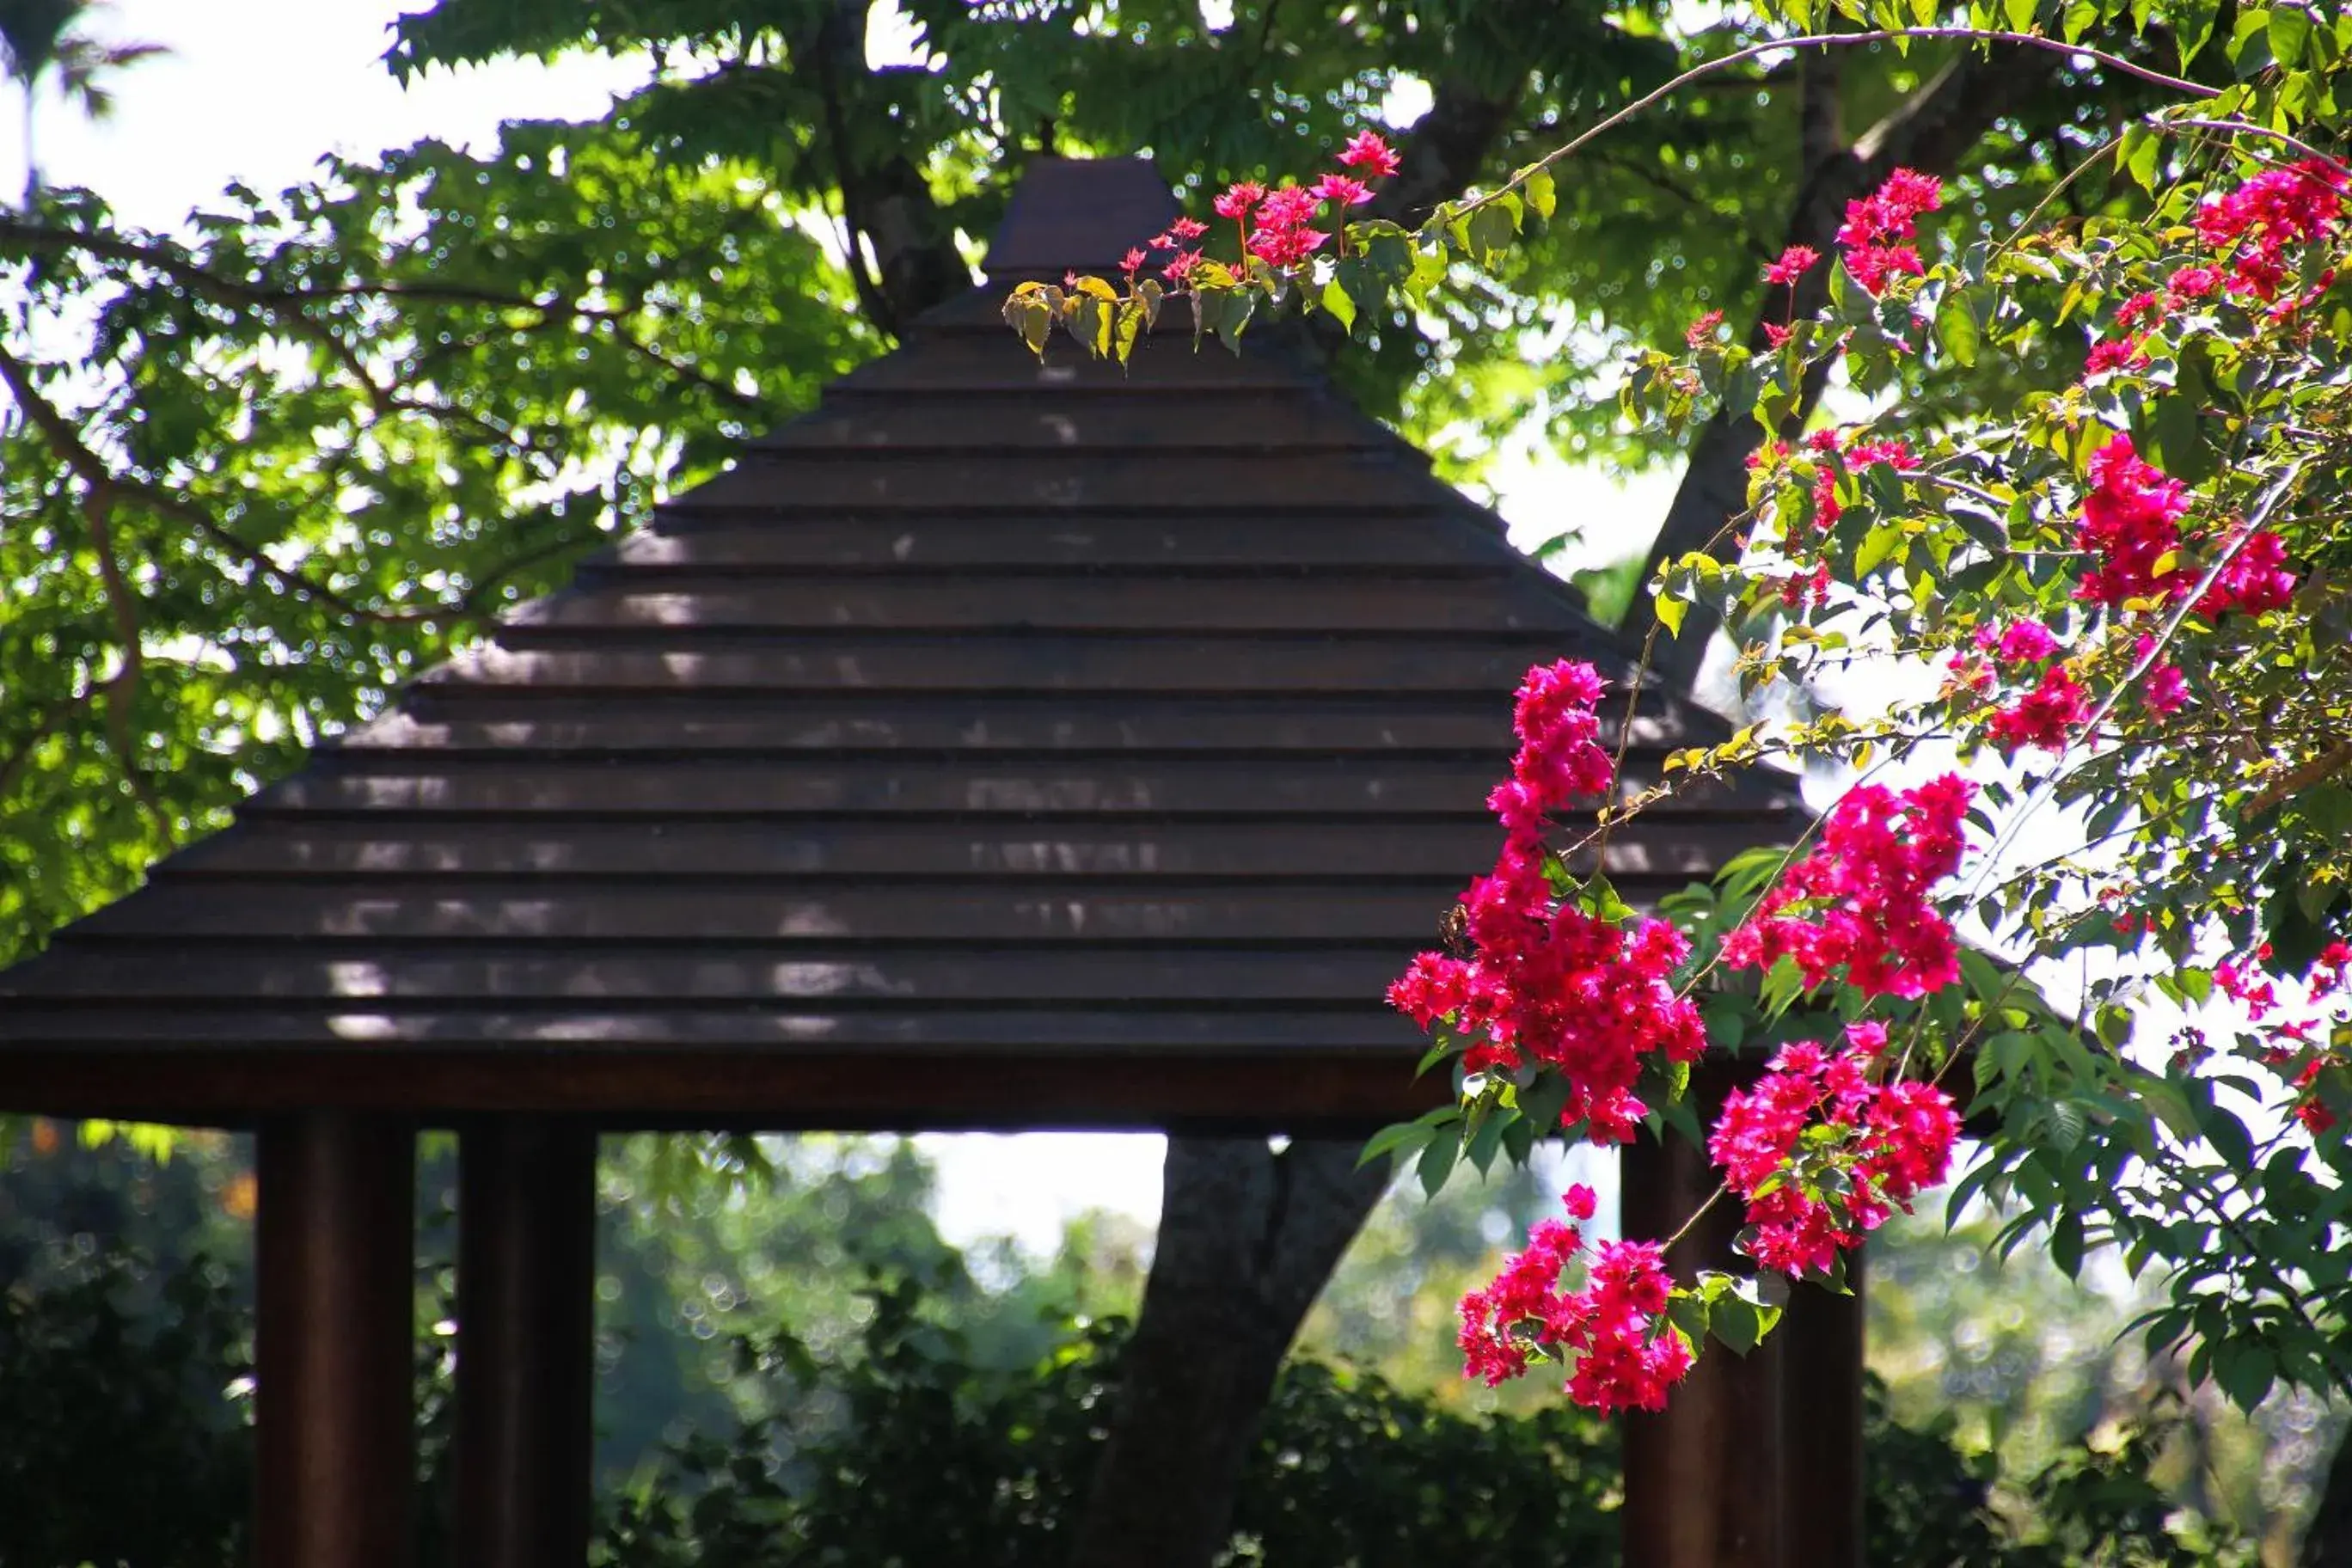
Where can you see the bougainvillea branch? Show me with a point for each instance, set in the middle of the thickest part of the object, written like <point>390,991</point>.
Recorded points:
<point>2126,596</point>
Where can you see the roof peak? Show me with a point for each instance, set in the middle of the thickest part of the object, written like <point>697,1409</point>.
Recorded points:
<point>1079,214</point>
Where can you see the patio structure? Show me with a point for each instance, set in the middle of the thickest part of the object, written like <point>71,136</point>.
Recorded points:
<point>1003,745</point>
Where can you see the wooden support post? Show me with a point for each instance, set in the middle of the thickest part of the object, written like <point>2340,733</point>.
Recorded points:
<point>526,1354</point>
<point>1820,1425</point>
<point>1703,1479</point>
<point>335,1335</point>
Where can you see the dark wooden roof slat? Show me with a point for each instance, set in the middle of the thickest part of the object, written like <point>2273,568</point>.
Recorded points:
<point>1260,540</point>
<point>893,424</point>
<point>390,782</point>
<point>782,725</point>
<point>978,601</point>
<point>1277,785</point>
<point>650,908</point>
<point>778,727</point>
<point>1309,666</point>
<point>208,971</point>
<point>345,848</point>
<point>977,364</point>
<point>794,482</point>
<point>360,1023</point>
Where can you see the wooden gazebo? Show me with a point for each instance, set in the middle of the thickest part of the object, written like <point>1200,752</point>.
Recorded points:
<point>1003,745</point>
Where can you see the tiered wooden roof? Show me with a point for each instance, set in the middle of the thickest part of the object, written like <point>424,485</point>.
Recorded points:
<point>1004,744</point>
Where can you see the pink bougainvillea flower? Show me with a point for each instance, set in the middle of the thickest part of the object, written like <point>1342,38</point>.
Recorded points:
<point>1873,265</point>
<point>1180,266</point>
<point>2255,578</point>
<point>1905,194</point>
<point>2116,354</point>
<point>1339,188</point>
<point>2046,716</point>
<point>1794,263</point>
<point>1540,980</point>
<point>1188,229</point>
<point>2130,527</point>
<point>1132,262</point>
<point>1775,333</point>
<point>1374,158</point>
<point>1895,452</point>
<point>2259,223</point>
<point>1286,246</point>
<point>1889,214</point>
<point>2144,305</point>
<point>1703,329</point>
<point>1240,198</point>
<point>1892,212</point>
<point>1624,1354</point>
<point>1859,902</point>
<point>1893,1141</point>
<point>2192,283</point>
<point>1287,208</point>
<point>2025,642</point>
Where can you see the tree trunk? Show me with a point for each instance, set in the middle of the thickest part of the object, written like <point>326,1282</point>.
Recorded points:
<point>2327,1539</point>
<point>886,204</point>
<point>1932,130</point>
<point>1247,1239</point>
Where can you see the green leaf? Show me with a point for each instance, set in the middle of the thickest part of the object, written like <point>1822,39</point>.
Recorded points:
<point>1334,299</point>
<point>2142,150</point>
<point>1480,1152</point>
<point>2170,1103</point>
<point>1735,1323</point>
<point>1239,305</point>
<point>1437,1160</point>
<point>1956,329</point>
<point>2192,24</point>
<point>2244,1371</point>
<point>2066,1244</point>
<point>2249,43</point>
<point>1486,234</point>
<point>2176,437</point>
<point>1880,543</point>
<point>1727,1023</point>
<point>1395,1138</point>
<point>1127,331</point>
<point>1542,197</point>
<point>2019,15</point>
<point>1670,611</point>
<point>2290,31</point>
<point>2227,1134</point>
<point>1542,1102</point>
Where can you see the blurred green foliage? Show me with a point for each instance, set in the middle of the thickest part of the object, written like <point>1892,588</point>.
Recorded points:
<point>797,1333</point>
<point>129,1444</point>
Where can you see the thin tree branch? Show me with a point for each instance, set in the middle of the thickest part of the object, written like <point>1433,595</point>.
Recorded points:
<point>2318,770</point>
<point>283,302</point>
<point>94,471</point>
<point>1838,41</point>
<point>121,688</point>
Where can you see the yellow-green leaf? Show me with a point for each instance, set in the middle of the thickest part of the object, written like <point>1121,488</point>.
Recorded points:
<point>1671,612</point>
<point>1956,329</point>
<point>1541,194</point>
<point>1334,299</point>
